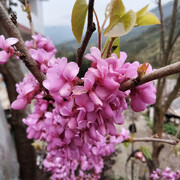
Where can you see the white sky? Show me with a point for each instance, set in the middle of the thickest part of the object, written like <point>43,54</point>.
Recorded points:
<point>58,12</point>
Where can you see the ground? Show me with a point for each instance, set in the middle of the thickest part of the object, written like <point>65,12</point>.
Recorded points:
<point>167,157</point>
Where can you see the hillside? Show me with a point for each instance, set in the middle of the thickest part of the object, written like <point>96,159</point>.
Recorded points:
<point>145,48</point>
<point>142,46</point>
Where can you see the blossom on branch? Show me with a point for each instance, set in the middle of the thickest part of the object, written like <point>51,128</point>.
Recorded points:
<point>7,49</point>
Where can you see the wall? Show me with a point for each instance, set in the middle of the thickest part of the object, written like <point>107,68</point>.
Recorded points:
<point>36,12</point>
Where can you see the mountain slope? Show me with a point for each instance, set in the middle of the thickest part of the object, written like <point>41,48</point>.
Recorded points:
<point>145,48</point>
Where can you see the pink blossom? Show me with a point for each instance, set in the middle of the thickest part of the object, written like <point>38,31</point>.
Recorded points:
<point>27,91</point>
<point>7,49</point>
<point>142,95</point>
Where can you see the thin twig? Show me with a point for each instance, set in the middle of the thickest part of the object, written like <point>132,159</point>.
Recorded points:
<point>90,29</point>
<point>28,11</point>
<point>149,139</point>
<point>156,74</point>
<point>13,31</point>
<point>109,48</point>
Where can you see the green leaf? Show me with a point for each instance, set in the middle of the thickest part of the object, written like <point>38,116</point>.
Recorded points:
<point>78,18</point>
<point>129,20</point>
<point>120,26</point>
<point>146,18</point>
<point>146,152</point>
<point>142,11</point>
<point>116,8</point>
<point>116,47</point>
<point>126,144</point>
<point>105,49</point>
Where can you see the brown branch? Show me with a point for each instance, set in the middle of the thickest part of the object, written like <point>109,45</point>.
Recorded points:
<point>90,29</point>
<point>110,46</point>
<point>173,25</point>
<point>13,31</point>
<point>156,74</point>
<point>148,139</point>
<point>162,39</point>
<point>175,38</point>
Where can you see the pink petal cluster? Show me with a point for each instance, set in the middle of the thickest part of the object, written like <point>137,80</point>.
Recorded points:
<point>7,49</point>
<point>140,156</point>
<point>41,43</point>
<point>43,51</point>
<point>27,89</point>
<point>166,174</point>
<point>77,120</point>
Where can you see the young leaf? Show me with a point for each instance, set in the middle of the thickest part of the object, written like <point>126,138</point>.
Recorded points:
<point>120,26</point>
<point>78,18</point>
<point>105,49</point>
<point>129,20</point>
<point>117,8</point>
<point>115,47</point>
<point>146,18</point>
<point>142,11</point>
<point>141,70</point>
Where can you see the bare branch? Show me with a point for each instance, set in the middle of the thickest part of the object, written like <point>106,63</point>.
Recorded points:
<point>156,74</point>
<point>13,31</point>
<point>148,139</point>
<point>90,29</point>
<point>162,40</point>
<point>175,38</point>
<point>173,25</point>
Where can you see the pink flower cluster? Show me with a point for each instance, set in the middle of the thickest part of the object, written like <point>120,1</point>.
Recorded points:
<point>77,117</point>
<point>7,49</point>
<point>166,174</point>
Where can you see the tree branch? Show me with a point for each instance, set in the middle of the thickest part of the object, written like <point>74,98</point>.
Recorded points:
<point>13,31</point>
<point>175,38</point>
<point>156,74</point>
<point>162,39</point>
<point>173,25</point>
<point>148,139</point>
<point>90,29</point>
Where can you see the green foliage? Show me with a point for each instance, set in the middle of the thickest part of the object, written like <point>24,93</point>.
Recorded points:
<point>78,18</point>
<point>147,153</point>
<point>115,47</point>
<point>171,128</point>
<point>148,19</point>
<point>121,23</point>
<point>145,18</point>
<point>126,144</point>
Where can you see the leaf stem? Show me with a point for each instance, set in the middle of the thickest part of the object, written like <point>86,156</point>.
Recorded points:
<point>110,46</point>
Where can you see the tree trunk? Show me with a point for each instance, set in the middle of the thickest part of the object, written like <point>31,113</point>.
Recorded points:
<point>25,151</point>
<point>159,114</point>
<point>12,74</point>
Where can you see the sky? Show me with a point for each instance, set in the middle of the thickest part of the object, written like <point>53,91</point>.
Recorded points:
<point>58,12</point>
